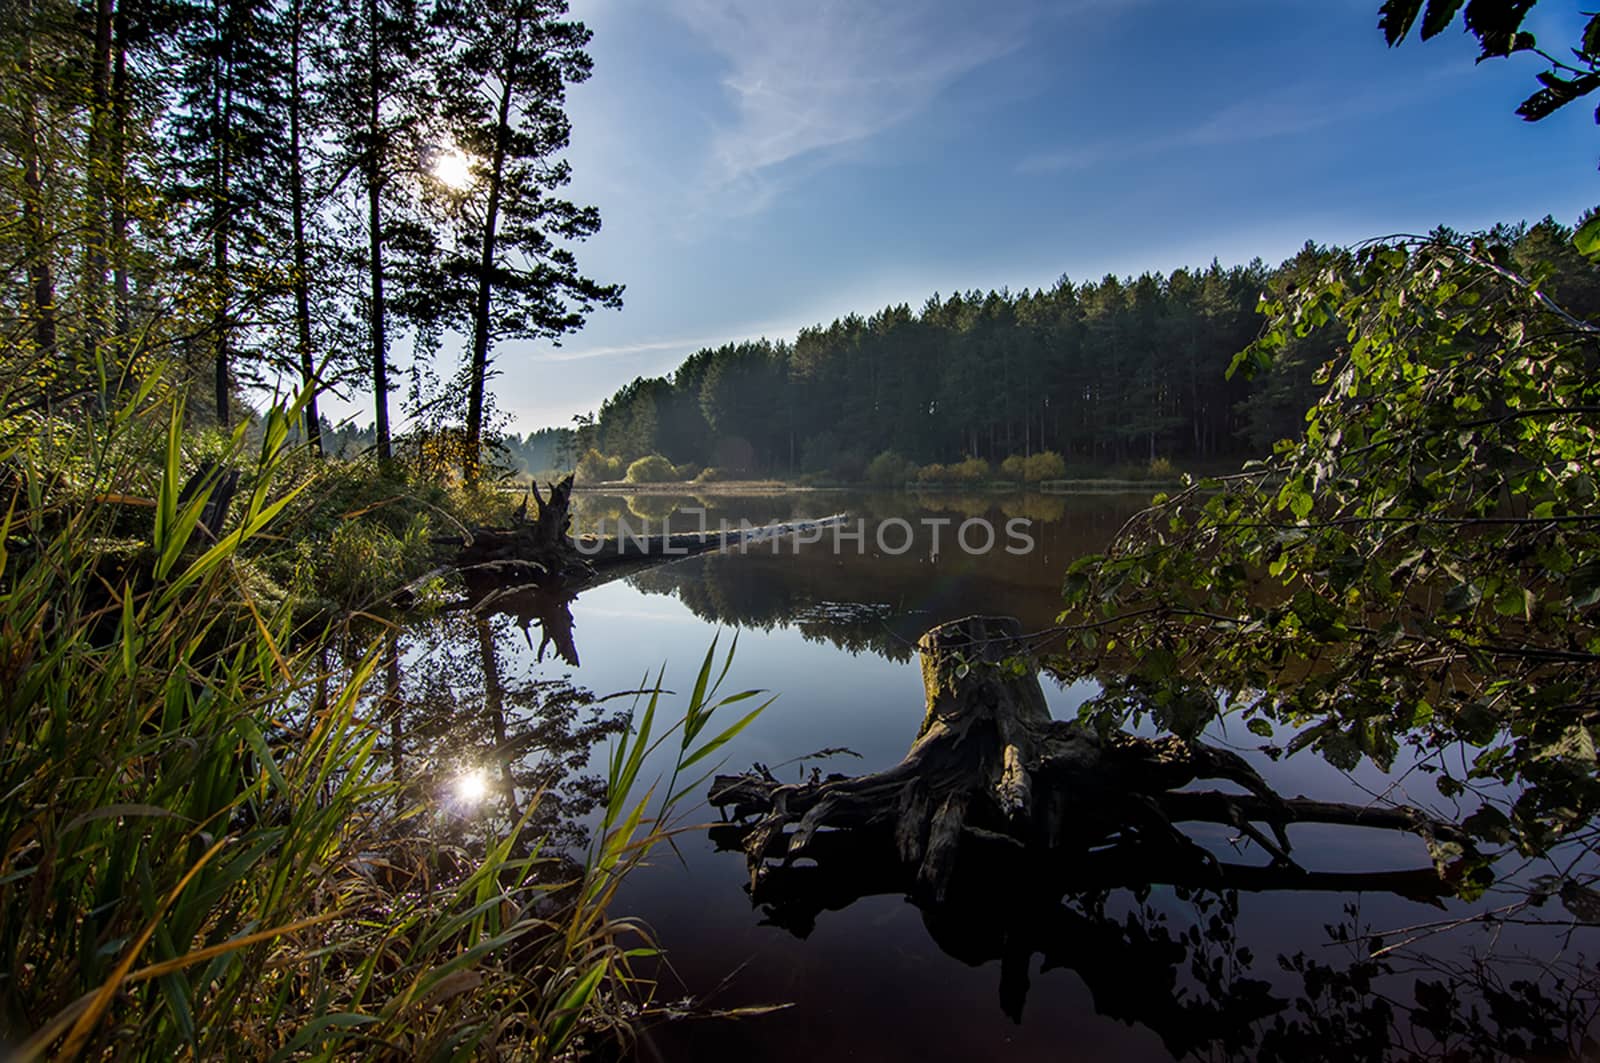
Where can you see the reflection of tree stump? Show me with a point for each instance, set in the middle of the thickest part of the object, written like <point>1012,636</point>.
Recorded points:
<point>992,780</point>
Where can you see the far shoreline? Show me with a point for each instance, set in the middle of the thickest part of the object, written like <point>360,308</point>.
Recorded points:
<point>780,487</point>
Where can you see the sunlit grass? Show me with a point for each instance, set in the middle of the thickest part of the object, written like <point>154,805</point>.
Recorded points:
<point>200,855</point>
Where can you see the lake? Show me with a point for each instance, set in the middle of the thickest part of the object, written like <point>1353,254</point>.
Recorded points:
<point>1149,972</point>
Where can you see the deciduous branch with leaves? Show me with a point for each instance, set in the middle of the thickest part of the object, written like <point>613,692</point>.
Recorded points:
<point>1420,569</point>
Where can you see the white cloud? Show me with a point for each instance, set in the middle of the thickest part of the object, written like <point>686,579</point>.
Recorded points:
<point>616,350</point>
<point>806,76</point>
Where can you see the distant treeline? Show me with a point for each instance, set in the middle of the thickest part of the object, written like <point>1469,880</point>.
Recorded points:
<point>542,451</point>
<point>1115,372</point>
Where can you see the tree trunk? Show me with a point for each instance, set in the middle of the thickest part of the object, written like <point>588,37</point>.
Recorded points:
<point>119,185</point>
<point>41,277</point>
<point>221,212</point>
<point>481,320</point>
<point>95,317</point>
<point>374,182</point>
<point>302,254</point>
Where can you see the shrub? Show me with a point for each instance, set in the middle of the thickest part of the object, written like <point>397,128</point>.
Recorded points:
<point>970,471</point>
<point>931,474</point>
<point>889,470</point>
<point>686,471</point>
<point>1045,465</point>
<point>363,562</point>
<point>710,475</point>
<point>1162,469</point>
<point>1015,468</point>
<point>594,467</point>
<point>651,469</point>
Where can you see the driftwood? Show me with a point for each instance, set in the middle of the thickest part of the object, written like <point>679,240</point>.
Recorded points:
<point>540,550</point>
<point>531,550</point>
<point>992,781</point>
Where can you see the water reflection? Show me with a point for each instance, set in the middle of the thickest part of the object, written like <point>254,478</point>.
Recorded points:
<point>487,745</point>
<point>1108,957</point>
<point>856,597</point>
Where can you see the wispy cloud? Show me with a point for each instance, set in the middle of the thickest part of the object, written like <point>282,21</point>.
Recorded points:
<point>617,350</point>
<point>733,334</point>
<point>1304,109</point>
<point>806,76</point>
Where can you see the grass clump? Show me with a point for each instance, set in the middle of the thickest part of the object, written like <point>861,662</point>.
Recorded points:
<point>202,855</point>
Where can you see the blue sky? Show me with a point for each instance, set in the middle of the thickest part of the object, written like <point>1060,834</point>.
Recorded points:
<point>761,165</point>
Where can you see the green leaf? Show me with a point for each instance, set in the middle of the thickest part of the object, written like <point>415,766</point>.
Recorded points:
<point>1462,597</point>
<point>1511,601</point>
<point>1438,16</point>
<point>722,739</point>
<point>571,1005</point>
<point>1576,744</point>
<point>1395,18</point>
<point>1261,727</point>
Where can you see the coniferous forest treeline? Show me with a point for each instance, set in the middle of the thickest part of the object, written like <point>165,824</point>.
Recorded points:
<point>271,195</point>
<point>1116,373</point>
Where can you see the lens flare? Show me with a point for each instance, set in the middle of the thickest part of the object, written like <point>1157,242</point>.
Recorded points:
<point>453,169</point>
<point>472,787</point>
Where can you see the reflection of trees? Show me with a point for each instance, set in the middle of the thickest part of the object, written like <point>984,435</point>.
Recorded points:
<point>1173,962</point>
<point>867,601</point>
<point>1017,835</point>
<point>857,603</point>
<point>1409,1005</point>
<point>454,710</point>
<point>591,510</point>
<point>742,591</point>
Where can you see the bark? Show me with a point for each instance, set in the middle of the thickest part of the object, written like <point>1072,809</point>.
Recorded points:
<point>302,254</point>
<point>41,277</point>
<point>374,181</point>
<point>95,238</point>
<point>220,193</point>
<point>120,106</point>
<point>481,319</point>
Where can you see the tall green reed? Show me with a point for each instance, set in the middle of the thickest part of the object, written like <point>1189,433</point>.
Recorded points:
<point>199,855</point>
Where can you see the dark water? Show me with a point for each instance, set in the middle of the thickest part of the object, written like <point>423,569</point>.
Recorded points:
<point>1148,973</point>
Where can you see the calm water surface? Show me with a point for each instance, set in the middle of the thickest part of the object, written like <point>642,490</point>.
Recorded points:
<point>832,635</point>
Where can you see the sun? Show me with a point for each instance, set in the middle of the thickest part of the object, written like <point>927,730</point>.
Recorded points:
<point>472,787</point>
<point>453,169</point>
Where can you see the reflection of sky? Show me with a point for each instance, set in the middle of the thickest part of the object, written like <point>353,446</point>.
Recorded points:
<point>870,983</point>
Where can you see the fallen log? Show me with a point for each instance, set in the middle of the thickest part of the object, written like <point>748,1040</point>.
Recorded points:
<point>536,550</point>
<point>540,549</point>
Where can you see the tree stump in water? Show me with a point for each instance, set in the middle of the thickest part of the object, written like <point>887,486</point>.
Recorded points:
<point>994,786</point>
<point>536,550</point>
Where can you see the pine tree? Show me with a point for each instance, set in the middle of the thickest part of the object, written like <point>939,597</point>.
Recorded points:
<point>229,150</point>
<point>379,103</point>
<point>300,28</point>
<point>24,142</point>
<point>509,272</point>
